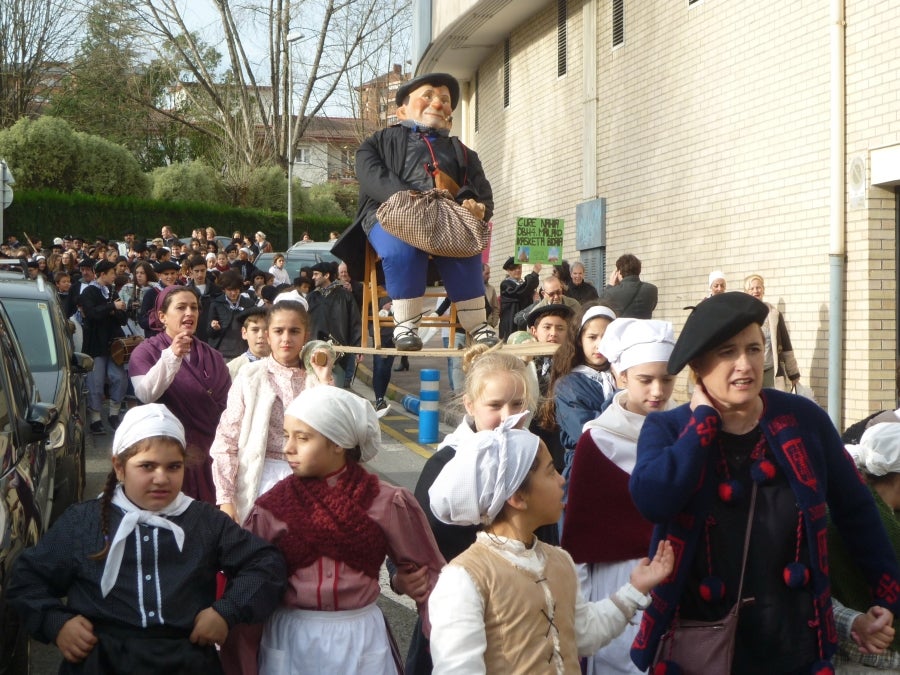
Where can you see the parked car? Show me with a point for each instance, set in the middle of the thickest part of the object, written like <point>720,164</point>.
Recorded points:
<point>59,373</point>
<point>299,255</point>
<point>26,475</point>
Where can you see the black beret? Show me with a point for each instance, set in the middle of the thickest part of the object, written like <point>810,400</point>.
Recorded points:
<point>139,246</point>
<point>168,266</point>
<point>269,293</point>
<point>554,308</point>
<point>103,266</point>
<point>86,262</point>
<point>510,263</point>
<point>252,311</point>
<point>323,268</point>
<point>712,322</point>
<point>435,80</point>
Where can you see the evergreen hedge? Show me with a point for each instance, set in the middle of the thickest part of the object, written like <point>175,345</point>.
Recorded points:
<point>48,214</point>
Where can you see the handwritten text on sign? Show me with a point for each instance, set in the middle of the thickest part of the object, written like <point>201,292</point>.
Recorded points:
<point>539,240</point>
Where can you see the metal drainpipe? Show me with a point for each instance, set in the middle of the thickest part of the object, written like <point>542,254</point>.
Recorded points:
<point>837,247</point>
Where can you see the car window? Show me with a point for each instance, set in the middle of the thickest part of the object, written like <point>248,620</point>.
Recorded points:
<point>33,323</point>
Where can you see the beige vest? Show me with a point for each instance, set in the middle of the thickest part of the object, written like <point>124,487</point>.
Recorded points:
<point>520,639</point>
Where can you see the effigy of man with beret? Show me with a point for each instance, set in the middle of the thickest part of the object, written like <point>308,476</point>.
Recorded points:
<point>700,467</point>
<point>413,155</point>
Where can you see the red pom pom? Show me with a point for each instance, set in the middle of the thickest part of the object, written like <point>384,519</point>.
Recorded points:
<point>762,471</point>
<point>667,668</point>
<point>712,589</point>
<point>822,668</point>
<point>730,491</point>
<point>796,575</point>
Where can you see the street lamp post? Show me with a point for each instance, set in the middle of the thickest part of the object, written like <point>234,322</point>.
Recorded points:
<point>290,39</point>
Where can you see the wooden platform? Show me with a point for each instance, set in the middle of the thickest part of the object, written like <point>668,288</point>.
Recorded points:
<point>523,350</point>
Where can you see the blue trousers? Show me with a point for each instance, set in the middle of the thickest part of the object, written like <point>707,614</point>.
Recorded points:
<point>96,379</point>
<point>406,269</point>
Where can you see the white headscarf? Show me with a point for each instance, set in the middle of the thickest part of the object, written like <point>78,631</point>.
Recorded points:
<point>631,342</point>
<point>716,274</point>
<point>878,452</point>
<point>341,416</point>
<point>488,468</point>
<point>146,421</point>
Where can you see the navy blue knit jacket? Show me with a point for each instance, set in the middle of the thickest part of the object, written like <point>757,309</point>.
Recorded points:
<point>674,482</point>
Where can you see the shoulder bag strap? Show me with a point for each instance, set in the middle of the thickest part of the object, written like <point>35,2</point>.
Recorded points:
<point>747,543</point>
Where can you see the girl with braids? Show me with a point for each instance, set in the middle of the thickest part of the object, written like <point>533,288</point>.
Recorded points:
<point>335,523</point>
<point>138,566</point>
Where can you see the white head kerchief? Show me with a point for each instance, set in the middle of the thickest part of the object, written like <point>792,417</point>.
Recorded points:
<point>631,342</point>
<point>488,468</point>
<point>145,421</point>
<point>595,311</point>
<point>878,452</point>
<point>340,416</point>
<point>714,275</point>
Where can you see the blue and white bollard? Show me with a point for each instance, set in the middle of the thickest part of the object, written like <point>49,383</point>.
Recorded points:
<point>429,406</point>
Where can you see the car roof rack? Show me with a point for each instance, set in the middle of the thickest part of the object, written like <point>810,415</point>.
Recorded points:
<point>14,265</point>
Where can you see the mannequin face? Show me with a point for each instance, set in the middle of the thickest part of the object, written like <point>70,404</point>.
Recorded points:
<point>429,106</point>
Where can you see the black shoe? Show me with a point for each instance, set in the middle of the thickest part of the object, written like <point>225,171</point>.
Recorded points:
<point>382,407</point>
<point>97,428</point>
<point>485,335</point>
<point>408,341</point>
<point>114,421</point>
<point>403,365</point>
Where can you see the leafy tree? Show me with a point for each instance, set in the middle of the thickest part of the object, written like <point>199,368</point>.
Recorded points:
<point>42,153</point>
<point>105,168</point>
<point>191,182</point>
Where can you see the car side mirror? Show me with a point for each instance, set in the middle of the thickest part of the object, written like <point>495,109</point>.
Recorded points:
<point>82,362</point>
<point>41,417</point>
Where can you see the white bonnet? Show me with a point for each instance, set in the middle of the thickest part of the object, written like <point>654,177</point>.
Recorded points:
<point>716,274</point>
<point>341,416</point>
<point>597,310</point>
<point>630,342</point>
<point>488,468</point>
<point>878,452</point>
<point>146,421</point>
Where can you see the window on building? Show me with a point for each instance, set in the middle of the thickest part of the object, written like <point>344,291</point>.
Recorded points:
<point>348,161</point>
<point>561,38</point>
<point>618,22</point>
<point>302,155</point>
<point>506,73</point>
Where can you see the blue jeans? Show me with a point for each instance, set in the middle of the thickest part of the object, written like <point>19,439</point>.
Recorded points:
<point>96,379</point>
<point>406,269</point>
<point>454,364</point>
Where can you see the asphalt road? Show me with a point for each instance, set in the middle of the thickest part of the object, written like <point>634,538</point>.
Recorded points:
<point>400,462</point>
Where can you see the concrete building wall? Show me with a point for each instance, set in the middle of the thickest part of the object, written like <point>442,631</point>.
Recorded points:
<point>713,151</point>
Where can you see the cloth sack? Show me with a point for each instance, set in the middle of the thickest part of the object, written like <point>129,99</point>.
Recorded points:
<point>432,222</point>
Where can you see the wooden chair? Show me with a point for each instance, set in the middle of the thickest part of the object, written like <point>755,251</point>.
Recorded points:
<point>373,291</point>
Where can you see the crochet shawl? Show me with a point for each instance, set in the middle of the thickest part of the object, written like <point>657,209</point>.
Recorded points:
<point>329,521</point>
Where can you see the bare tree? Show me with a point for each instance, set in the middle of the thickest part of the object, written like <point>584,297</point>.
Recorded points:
<point>36,37</point>
<point>245,119</point>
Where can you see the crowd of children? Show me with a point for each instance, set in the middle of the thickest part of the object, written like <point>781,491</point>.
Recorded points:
<point>239,532</point>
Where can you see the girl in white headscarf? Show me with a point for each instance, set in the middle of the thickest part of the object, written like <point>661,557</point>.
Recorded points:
<point>511,603</point>
<point>603,531</point>
<point>335,523</point>
<point>138,566</point>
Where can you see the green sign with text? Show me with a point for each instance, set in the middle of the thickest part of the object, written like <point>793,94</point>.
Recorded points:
<point>539,240</point>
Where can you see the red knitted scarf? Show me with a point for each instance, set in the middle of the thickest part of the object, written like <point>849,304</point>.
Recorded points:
<point>326,521</point>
